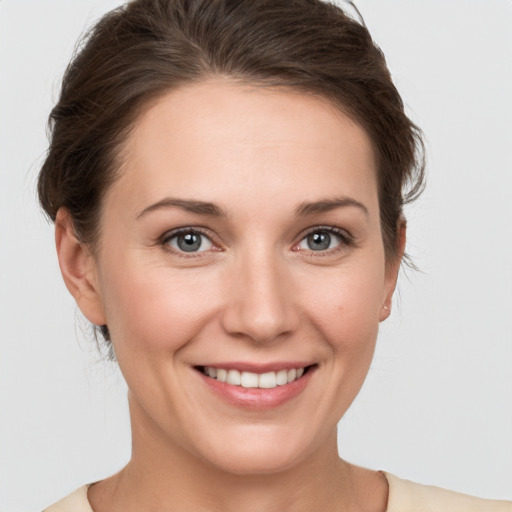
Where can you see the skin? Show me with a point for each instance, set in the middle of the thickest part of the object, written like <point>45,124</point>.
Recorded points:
<point>255,292</point>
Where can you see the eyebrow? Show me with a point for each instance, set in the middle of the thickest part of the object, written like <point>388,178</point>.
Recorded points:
<point>212,210</point>
<point>199,207</point>
<point>327,205</point>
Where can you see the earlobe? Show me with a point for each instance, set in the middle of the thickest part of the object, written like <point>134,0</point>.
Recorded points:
<point>78,269</point>
<point>392,269</point>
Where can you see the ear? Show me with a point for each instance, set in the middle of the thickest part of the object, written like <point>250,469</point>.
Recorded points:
<point>78,269</point>
<point>392,269</point>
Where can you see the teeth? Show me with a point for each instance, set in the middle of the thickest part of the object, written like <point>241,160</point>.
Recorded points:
<point>233,377</point>
<point>266,380</point>
<point>249,380</point>
<point>282,377</point>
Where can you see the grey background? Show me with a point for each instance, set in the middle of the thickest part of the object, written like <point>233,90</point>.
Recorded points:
<point>437,404</point>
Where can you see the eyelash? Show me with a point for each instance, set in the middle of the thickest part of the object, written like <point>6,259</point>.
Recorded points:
<point>346,240</point>
<point>166,239</point>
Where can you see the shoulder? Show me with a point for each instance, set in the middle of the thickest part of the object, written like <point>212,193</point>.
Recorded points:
<point>75,502</point>
<point>405,496</point>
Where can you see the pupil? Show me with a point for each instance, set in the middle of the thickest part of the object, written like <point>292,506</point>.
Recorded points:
<point>190,242</point>
<point>319,241</point>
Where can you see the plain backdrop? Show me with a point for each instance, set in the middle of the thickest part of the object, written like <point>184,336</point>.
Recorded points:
<point>437,404</point>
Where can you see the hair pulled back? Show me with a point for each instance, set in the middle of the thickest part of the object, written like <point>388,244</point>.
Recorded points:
<point>146,48</point>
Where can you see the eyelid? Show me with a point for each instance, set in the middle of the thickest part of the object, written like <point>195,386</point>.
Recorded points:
<point>347,239</point>
<point>169,235</point>
<point>184,230</point>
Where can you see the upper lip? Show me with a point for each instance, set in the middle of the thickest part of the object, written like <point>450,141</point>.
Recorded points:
<point>258,367</point>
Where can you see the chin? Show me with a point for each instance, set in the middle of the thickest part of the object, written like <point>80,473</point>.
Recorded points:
<point>256,462</point>
<point>259,453</point>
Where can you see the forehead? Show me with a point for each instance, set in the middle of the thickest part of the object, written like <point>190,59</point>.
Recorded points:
<point>216,140</point>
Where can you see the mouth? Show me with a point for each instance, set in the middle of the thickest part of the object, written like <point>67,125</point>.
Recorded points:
<point>257,387</point>
<point>261,380</point>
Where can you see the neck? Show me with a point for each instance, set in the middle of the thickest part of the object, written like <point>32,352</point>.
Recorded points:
<point>191,485</point>
<point>162,476</point>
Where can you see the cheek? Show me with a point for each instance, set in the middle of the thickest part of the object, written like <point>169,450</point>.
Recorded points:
<point>346,304</point>
<point>155,308</point>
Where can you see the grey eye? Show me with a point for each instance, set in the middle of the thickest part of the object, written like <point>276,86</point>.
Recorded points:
<point>191,241</point>
<point>320,240</point>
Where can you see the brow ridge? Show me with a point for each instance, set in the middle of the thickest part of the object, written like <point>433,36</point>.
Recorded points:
<point>326,205</point>
<point>199,207</point>
<point>211,209</point>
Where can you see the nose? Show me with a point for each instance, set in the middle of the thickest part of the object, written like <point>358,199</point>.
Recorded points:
<point>260,300</point>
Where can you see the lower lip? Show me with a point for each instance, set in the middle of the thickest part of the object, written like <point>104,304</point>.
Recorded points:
<point>257,398</point>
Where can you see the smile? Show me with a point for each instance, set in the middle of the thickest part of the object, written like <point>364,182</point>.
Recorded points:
<point>257,387</point>
<point>267,380</point>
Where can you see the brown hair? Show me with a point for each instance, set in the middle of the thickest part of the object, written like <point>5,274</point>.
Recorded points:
<point>148,47</point>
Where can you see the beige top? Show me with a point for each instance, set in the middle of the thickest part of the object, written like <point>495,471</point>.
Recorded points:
<point>404,496</point>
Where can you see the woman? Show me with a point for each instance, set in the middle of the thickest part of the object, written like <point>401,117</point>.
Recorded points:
<point>227,182</point>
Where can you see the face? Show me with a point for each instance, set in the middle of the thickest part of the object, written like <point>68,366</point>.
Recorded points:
<point>241,273</point>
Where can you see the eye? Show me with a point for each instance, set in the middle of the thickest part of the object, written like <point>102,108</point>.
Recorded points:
<point>189,241</point>
<point>323,239</point>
